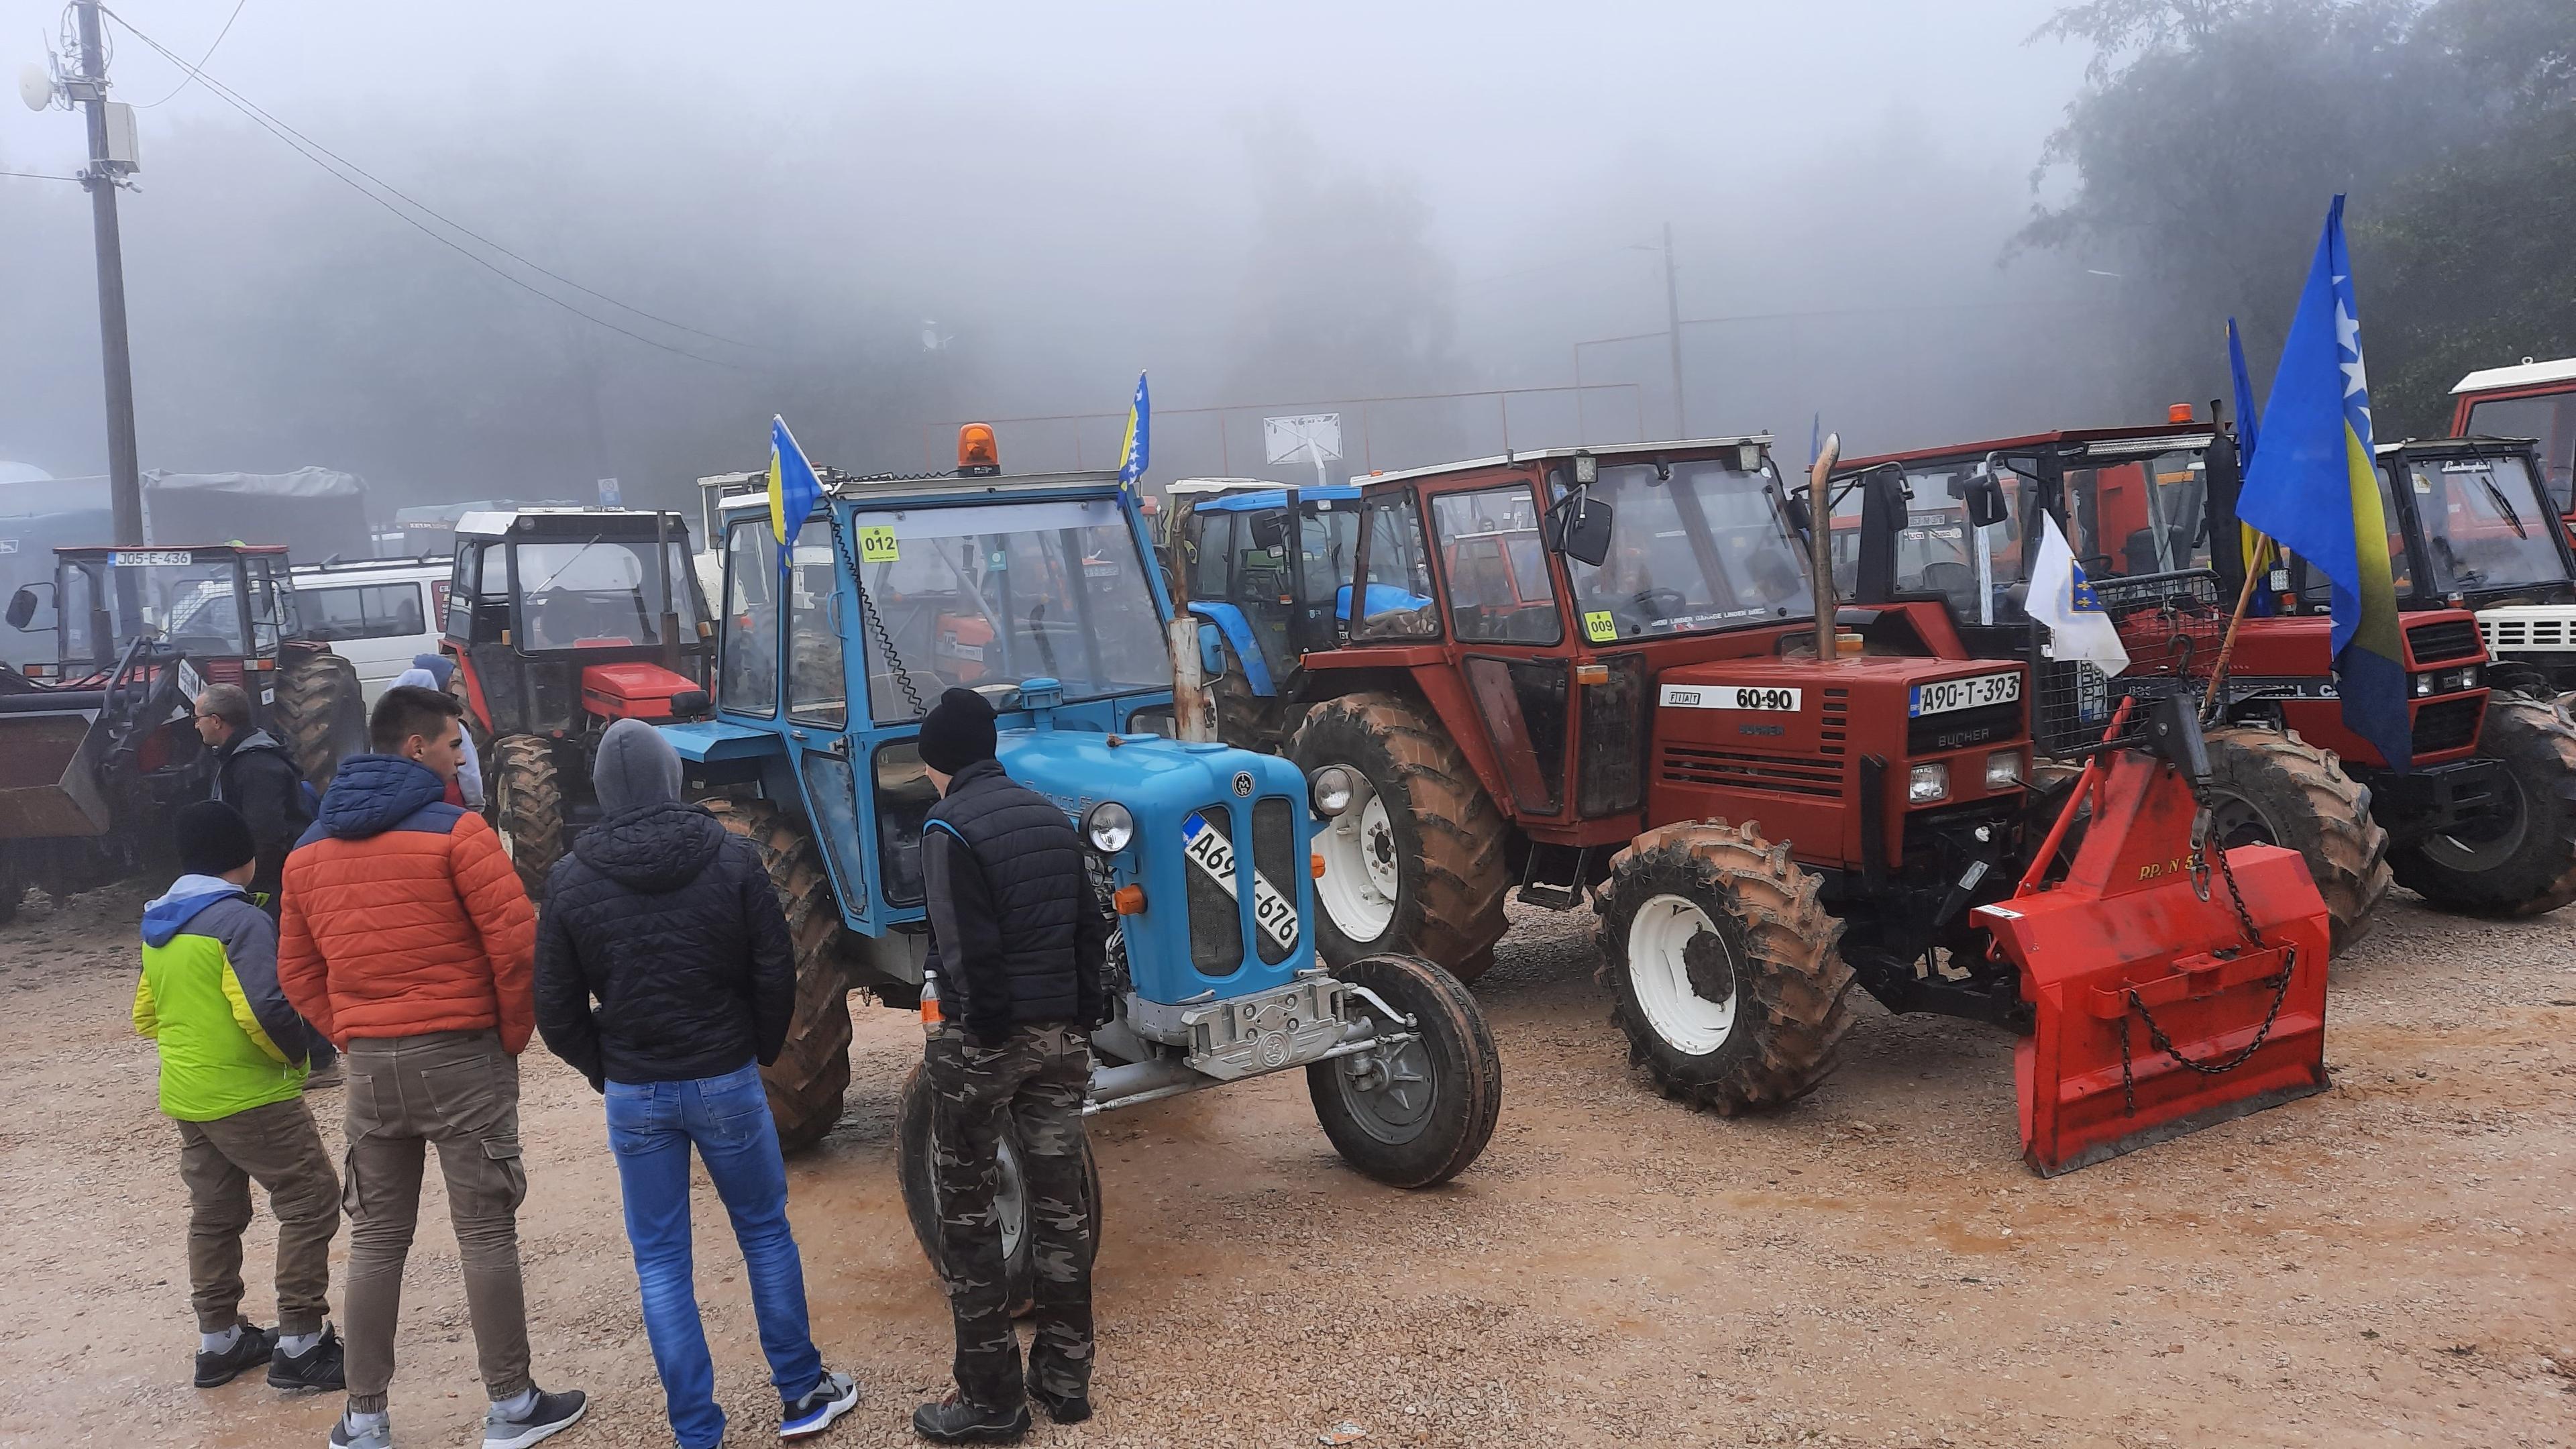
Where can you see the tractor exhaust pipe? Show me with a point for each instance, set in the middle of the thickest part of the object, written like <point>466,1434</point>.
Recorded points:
<point>1820,544</point>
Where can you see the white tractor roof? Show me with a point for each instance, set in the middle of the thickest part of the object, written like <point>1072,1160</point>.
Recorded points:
<point>1608,452</point>
<point>2527,373</point>
<point>1179,486</point>
<point>495,522</point>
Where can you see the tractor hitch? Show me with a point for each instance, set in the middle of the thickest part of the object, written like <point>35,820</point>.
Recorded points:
<point>2162,1002</point>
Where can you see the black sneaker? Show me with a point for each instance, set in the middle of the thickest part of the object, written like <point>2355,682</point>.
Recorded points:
<point>953,1420</point>
<point>550,1414</point>
<point>1063,1408</point>
<point>317,1367</point>
<point>251,1349</point>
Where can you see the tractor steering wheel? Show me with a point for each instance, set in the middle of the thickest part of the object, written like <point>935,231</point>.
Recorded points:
<point>1661,603</point>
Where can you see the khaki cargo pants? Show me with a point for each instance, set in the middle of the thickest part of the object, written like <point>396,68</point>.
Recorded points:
<point>278,1147</point>
<point>459,1090</point>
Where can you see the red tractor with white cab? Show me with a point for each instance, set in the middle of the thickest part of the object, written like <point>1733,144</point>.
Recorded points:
<point>563,621</point>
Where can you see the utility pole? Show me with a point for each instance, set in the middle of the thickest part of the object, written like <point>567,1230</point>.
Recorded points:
<point>1673,332</point>
<point>124,473</point>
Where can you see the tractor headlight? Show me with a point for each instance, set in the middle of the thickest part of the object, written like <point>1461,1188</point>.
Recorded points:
<point>1925,784</point>
<point>1109,827</point>
<point>2465,678</point>
<point>1331,791</point>
<point>2003,769</point>
<point>2423,685</point>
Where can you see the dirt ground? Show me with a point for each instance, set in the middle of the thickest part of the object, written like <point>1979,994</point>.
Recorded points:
<point>2386,1264</point>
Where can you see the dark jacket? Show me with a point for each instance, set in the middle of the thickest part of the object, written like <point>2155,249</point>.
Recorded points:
<point>256,776</point>
<point>1017,932</point>
<point>667,921</point>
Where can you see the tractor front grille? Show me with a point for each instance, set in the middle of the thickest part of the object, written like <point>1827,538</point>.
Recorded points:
<point>1257,899</point>
<point>2448,724</point>
<point>1835,721</point>
<point>2440,643</point>
<point>1935,732</point>
<point>1700,765</point>
<point>2512,634</point>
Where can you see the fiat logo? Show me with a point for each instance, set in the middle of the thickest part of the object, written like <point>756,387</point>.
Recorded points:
<point>1243,783</point>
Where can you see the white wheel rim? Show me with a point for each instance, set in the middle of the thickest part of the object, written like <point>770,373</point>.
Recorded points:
<point>1010,1198</point>
<point>1361,878</point>
<point>1658,936</point>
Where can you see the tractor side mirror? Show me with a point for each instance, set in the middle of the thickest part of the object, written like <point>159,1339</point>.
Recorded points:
<point>1793,507</point>
<point>22,608</point>
<point>1579,527</point>
<point>691,704</point>
<point>1211,654</point>
<point>1985,499</point>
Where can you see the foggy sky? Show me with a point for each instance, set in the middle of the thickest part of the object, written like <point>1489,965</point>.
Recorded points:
<point>1262,204</point>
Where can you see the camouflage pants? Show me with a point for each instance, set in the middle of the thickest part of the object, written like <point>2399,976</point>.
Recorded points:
<point>1034,1081</point>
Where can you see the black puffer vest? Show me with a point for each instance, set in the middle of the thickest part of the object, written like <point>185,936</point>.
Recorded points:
<point>1035,890</point>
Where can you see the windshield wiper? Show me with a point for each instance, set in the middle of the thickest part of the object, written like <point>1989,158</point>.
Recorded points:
<point>567,563</point>
<point>2506,504</point>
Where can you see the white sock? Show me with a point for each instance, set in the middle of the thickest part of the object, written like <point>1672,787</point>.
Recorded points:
<point>519,1404</point>
<point>297,1345</point>
<point>219,1342</point>
<point>363,1423</point>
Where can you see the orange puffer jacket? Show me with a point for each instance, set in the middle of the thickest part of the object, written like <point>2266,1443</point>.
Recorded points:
<point>403,916</point>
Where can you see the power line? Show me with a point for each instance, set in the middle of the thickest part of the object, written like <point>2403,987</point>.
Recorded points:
<point>201,60</point>
<point>316,152</point>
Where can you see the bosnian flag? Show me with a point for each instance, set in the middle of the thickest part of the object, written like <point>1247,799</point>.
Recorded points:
<point>2062,599</point>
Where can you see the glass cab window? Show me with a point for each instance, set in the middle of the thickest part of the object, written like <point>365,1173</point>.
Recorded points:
<point>194,602</point>
<point>601,591</point>
<point>1937,550</point>
<point>2485,524</point>
<point>1697,544</point>
<point>361,611</point>
<point>747,647</point>
<point>1500,591</point>
<point>815,687</point>
<point>2142,516</point>
<point>1395,602</point>
<point>2551,420</point>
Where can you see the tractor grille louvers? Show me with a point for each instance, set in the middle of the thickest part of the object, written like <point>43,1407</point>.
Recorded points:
<point>1216,924</point>
<point>2448,724</point>
<point>1222,919</point>
<point>2442,642</point>
<point>1274,854</point>
<point>1836,721</point>
<point>1700,765</point>
<point>2526,633</point>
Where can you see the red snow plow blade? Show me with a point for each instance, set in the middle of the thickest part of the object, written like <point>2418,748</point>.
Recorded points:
<point>2154,1013</point>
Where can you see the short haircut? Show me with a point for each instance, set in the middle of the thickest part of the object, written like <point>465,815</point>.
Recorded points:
<point>408,710</point>
<point>229,702</point>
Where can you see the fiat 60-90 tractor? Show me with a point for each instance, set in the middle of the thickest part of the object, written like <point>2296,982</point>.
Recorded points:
<point>1040,592</point>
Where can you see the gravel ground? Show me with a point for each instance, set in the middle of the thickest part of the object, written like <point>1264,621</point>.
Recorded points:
<point>2385,1264</point>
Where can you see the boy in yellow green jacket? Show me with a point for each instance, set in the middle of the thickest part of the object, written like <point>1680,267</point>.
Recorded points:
<point>234,1056</point>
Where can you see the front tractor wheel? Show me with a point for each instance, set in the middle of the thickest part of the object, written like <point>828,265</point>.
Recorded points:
<point>2521,861</point>
<point>1415,866</point>
<point>810,1079</point>
<point>1723,963</point>
<point>2267,787</point>
<point>527,807</point>
<point>1411,1112</point>
<point>916,1171</point>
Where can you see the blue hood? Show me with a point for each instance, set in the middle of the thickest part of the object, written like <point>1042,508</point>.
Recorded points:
<point>374,793</point>
<point>169,913</point>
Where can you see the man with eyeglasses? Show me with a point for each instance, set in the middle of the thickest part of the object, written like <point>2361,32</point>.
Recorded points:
<point>255,775</point>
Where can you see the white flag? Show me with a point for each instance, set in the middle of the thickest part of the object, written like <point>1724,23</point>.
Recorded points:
<point>2061,599</point>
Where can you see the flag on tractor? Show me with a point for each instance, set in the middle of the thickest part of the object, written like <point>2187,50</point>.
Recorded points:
<point>2256,550</point>
<point>2078,626</point>
<point>2315,489</point>
<point>793,488</point>
<point>1138,446</point>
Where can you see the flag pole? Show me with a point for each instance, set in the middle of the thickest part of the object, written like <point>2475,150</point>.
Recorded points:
<point>2244,597</point>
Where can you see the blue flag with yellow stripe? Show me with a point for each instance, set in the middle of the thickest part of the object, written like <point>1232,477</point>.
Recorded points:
<point>1136,450</point>
<point>2314,488</point>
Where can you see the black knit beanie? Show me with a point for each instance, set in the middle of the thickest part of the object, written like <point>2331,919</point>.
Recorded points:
<point>213,838</point>
<point>958,732</point>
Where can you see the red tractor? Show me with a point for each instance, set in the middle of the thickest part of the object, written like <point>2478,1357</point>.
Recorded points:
<point>2485,820</point>
<point>563,621</point>
<point>1599,676</point>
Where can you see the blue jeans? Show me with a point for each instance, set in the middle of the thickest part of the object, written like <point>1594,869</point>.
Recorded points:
<point>651,1126</point>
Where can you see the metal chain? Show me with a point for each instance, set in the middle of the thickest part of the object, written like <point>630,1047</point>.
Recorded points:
<point>876,623</point>
<point>2280,981</point>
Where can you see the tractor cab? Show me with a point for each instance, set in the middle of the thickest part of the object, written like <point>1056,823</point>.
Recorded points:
<point>2535,400</point>
<point>2478,513</point>
<point>1273,597</point>
<point>229,607</point>
<point>563,621</point>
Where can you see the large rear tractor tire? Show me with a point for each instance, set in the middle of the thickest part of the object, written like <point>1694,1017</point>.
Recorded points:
<point>811,1078</point>
<point>527,806</point>
<point>2271,788</point>
<point>1728,984</point>
<point>916,1150</point>
<point>2522,862</point>
<point>320,712</point>
<point>1415,1113</point>
<point>1415,866</point>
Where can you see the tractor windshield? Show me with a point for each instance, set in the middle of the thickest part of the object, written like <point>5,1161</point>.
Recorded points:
<point>2485,525</point>
<point>168,592</point>
<point>1938,551</point>
<point>1003,594</point>
<point>599,592</point>
<point>1703,549</point>
<point>2146,515</point>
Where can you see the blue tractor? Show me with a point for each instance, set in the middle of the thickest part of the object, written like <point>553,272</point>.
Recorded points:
<point>1040,591</point>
